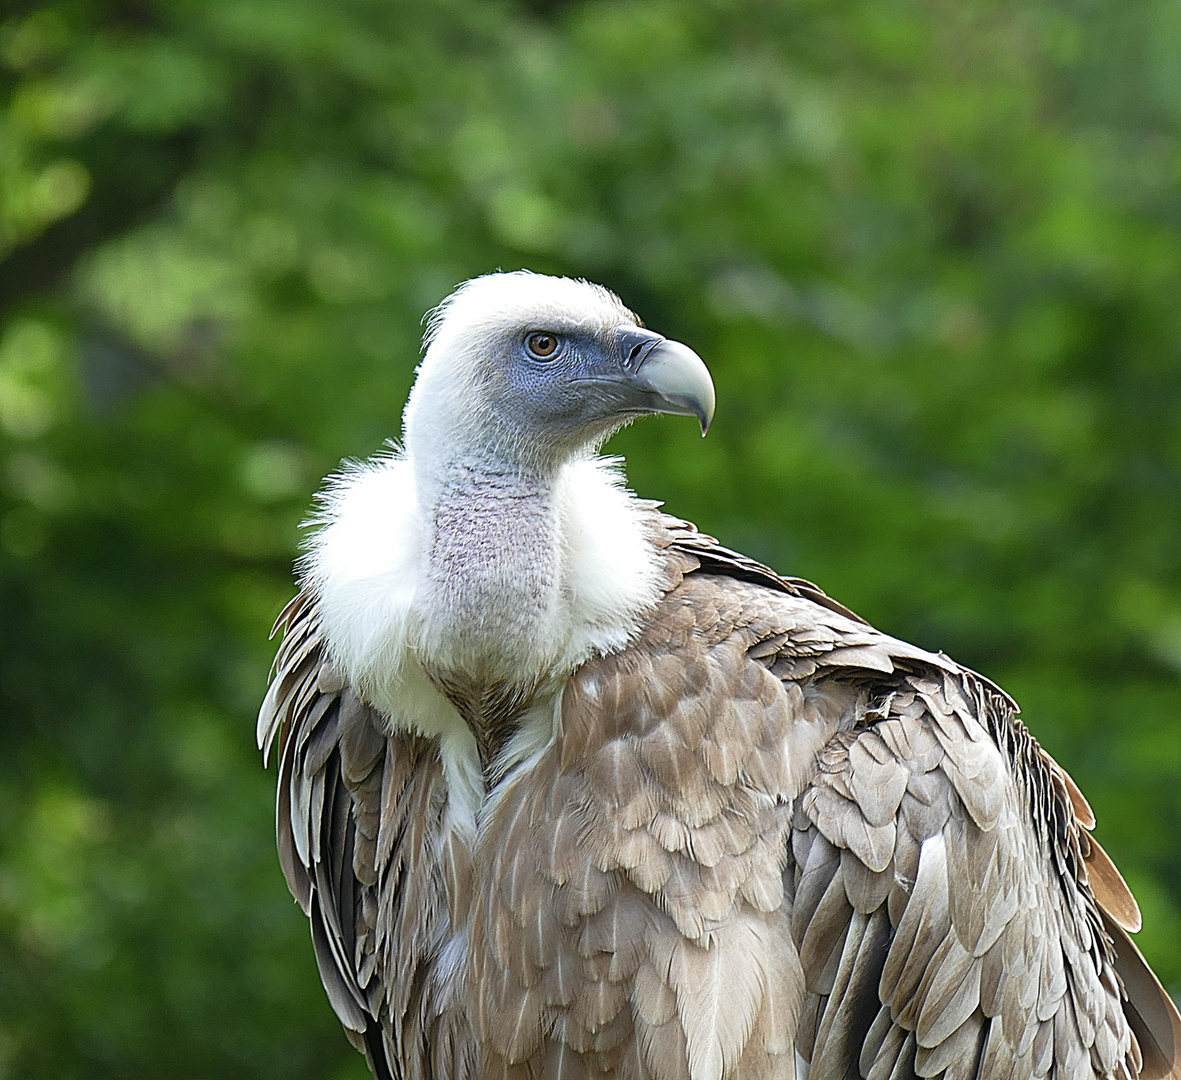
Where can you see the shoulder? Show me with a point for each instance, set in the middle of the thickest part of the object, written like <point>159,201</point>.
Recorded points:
<point>786,624</point>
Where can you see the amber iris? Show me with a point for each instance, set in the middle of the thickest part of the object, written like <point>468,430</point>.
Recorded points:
<point>541,345</point>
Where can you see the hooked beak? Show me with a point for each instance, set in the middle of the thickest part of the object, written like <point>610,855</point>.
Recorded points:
<point>665,376</point>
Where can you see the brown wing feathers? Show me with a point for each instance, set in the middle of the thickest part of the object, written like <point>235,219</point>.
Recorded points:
<point>995,962</point>
<point>939,813</point>
<point>356,810</point>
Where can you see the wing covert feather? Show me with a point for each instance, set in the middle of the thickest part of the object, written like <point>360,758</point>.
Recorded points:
<point>1000,961</point>
<point>358,818</point>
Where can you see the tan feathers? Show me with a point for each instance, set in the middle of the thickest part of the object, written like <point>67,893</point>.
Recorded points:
<point>762,830</point>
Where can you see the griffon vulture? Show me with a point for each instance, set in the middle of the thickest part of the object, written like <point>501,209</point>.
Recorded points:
<point>567,789</point>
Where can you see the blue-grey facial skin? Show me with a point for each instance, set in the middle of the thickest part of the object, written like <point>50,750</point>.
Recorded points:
<point>594,383</point>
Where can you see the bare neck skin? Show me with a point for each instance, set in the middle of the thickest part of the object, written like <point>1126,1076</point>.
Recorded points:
<point>489,595</point>
<point>490,582</point>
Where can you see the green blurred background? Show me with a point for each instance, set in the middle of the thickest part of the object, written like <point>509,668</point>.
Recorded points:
<point>930,248</point>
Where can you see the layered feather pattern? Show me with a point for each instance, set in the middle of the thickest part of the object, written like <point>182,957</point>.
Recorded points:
<point>761,834</point>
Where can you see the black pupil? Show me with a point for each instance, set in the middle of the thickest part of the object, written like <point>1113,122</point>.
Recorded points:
<point>542,344</point>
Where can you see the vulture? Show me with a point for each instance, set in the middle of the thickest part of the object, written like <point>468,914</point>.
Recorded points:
<point>567,789</point>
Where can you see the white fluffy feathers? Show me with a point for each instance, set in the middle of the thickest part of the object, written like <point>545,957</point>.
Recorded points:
<point>365,560</point>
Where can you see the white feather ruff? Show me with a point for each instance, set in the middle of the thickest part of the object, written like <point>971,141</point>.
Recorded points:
<point>364,564</point>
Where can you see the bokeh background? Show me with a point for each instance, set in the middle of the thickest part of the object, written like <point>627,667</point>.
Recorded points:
<point>930,248</point>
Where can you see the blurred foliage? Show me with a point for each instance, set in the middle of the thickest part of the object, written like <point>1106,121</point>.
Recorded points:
<point>930,250</point>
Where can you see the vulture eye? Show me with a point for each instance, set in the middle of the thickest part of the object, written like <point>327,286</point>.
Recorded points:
<point>542,345</point>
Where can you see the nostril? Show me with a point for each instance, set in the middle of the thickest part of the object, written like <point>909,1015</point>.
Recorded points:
<point>634,345</point>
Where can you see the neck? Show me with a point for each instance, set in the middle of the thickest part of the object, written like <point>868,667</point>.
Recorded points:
<point>489,594</point>
<point>391,614</point>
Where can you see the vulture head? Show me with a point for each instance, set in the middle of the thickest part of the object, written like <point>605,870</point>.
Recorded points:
<point>529,371</point>
<point>495,551</point>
